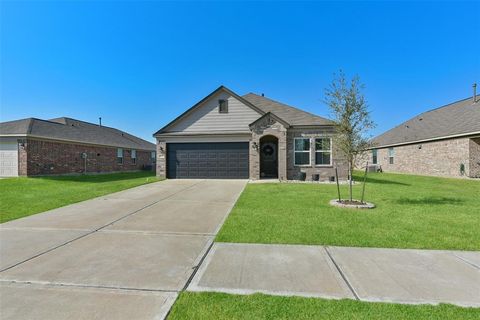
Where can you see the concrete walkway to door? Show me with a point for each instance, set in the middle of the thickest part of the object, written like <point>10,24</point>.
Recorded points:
<point>121,256</point>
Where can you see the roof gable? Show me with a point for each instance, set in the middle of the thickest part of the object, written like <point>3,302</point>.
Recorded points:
<point>270,118</point>
<point>192,110</point>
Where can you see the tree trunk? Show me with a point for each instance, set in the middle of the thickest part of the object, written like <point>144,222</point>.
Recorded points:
<point>350,170</point>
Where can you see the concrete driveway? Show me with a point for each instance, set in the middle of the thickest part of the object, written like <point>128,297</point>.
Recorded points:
<point>121,256</point>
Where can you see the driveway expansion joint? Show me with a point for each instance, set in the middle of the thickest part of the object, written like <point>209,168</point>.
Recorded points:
<point>97,229</point>
<point>344,277</point>
<point>197,266</point>
<point>76,285</point>
<point>467,262</point>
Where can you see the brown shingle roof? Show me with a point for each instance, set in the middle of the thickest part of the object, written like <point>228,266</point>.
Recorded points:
<point>74,130</point>
<point>292,115</point>
<point>458,118</point>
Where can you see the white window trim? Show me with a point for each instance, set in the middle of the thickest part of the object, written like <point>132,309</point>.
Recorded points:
<point>391,156</point>
<point>330,150</point>
<point>305,151</point>
<point>120,149</point>
<point>134,158</point>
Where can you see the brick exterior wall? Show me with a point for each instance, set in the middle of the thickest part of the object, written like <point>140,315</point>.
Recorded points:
<point>436,158</point>
<point>474,158</point>
<point>325,172</point>
<point>42,157</point>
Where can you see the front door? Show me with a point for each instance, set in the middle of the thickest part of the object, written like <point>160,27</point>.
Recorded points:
<point>268,160</point>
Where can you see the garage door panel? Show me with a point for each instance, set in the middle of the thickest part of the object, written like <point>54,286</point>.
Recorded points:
<point>207,160</point>
<point>8,159</point>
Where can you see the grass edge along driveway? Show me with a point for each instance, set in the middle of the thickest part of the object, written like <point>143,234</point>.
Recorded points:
<point>210,305</point>
<point>21,197</point>
<point>412,212</point>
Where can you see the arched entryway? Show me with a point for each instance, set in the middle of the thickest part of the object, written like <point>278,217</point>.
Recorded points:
<point>268,157</point>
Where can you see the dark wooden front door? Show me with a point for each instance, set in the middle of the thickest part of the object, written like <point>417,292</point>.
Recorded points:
<point>269,159</point>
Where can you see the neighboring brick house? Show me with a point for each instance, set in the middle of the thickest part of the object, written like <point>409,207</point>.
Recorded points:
<point>31,147</point>
<point>230,136</point>
<point>440,142</point>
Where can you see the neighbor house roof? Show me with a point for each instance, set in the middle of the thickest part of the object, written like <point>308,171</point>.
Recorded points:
<point>456,119</point>
<point>288,114</point>
<point>291,115</point>
<point>68,129</point>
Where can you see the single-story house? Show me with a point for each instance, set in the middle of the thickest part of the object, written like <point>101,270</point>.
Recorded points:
<point>30,147</point>
<point>228,136</point>
<point>441,142</point>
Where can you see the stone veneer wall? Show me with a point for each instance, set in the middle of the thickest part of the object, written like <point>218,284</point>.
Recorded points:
<point>42,157</point>
<point>161,159</point>
<point>268,127</point>
<point>22,157</point>
<point>474,158</point>
<point>436,158</point>
<point>293,172</point>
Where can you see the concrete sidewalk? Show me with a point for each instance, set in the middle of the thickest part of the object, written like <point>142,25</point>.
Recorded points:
<point>368,274</point>
<point>121,256</point>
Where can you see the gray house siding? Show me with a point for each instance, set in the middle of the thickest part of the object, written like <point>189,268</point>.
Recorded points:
<point>207,118</point>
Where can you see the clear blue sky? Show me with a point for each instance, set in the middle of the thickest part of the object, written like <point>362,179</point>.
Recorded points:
<point>140,64</point>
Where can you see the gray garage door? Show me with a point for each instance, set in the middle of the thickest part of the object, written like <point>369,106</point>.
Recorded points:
<point>207,160</point>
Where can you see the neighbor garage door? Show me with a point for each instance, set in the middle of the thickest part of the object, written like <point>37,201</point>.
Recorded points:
<point>8,159</point>
<point>208,160</point>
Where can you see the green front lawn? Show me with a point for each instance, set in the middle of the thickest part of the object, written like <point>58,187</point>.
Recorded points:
<point>224,306</point>
<point>20,197</point>
<point>412,212</point>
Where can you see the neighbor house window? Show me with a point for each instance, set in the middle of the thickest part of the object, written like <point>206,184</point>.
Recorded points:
<point>302,151</point>
<point>134,156</point>
<point>223,106</point>
<point>391,155</point>
<point>374,156</point>
<point>153,155</point>
<point>323,151</point>
<point>120,156</point>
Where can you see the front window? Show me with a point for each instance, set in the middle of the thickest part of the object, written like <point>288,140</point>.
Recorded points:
<point>323,151</point>
<point>391,155</point>
<point>374,156</point>
<point>134,156</point>
<point>120,156</point>
<point>302,151</point>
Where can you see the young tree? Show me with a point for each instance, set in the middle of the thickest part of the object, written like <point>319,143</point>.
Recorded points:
<point>350,113</point>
